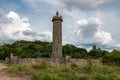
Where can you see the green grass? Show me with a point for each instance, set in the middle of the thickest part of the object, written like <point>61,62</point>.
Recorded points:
<point>19,70</point>
<point>45,71</point>
<point>3,62</point>
<point>42,65</point>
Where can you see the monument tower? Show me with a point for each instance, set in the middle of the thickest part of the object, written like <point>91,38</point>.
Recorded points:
<point>57,36</point>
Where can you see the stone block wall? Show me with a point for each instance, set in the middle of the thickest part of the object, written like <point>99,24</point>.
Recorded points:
<point>79,61</point>
<point>28,61</point>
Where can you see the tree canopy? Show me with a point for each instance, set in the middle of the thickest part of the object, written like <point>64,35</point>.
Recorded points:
<point>34,49</point>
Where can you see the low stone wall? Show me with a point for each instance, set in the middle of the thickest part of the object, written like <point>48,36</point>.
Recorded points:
<point>15,60</point>
<point>96,61</point>
<point>33,60</point>
<point>79,61</point>
<point>58,61</point>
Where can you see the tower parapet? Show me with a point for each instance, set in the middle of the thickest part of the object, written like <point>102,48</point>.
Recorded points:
<point>57,17</point>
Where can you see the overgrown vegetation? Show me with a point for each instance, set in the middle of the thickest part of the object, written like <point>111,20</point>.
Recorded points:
<point>113,58</point>
<point>45,71</point>
<point>28,49</point>
<point>35,49</point>
<point>67,72</point>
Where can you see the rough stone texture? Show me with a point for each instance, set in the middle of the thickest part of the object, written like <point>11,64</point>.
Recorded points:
<point>33,60</point>
<point>67,60</point>
<point>57,36</point>
<point>12,59</point>
<point>58,61</point>
<point>94,61</point>
<point>79,61</point>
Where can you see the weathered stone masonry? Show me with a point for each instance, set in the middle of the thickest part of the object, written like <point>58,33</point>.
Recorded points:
<point>30,61</point>
<point>57,36</point>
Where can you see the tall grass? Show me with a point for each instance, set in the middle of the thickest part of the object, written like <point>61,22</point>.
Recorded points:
<point>42,65</point>
<point>45,71</point>
<point>19,70</point>
<point>44,77</point>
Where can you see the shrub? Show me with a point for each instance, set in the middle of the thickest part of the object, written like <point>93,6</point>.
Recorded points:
<point>99,77</point>
<point>84,78</point>
<point>73,65</point>
<point>112,58</point>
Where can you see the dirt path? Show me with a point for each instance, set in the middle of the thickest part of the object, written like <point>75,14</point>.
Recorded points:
<point>5,76</point>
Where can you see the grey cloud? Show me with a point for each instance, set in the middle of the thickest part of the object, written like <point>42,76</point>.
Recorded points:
<point>89,30</point>
<point>3,19</point>
<point>82,4</point>
<point>85,4</point>
<point>44,36</point>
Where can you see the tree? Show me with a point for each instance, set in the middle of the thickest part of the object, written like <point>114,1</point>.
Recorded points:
<point>112,58</point>
<point>95,52</point>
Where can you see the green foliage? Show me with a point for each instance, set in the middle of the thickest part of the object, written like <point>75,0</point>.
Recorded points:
<point>73,65</point>
<point>42,65</point>
<point>84,78</point>
<point>74,52</point>
<point>43,77</point>
<point>26,49</point>
<point>97,53</point>
<point>99,77</point>
<point>35,49</point>
<point>113,58</point>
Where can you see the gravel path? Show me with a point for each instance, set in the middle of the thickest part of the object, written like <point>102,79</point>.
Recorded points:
<point>5,76</point>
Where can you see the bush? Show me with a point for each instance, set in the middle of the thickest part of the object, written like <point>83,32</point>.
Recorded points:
<point>73,65</point>
<point>112,58</point>
<point>99,77</point>
<point>84,78</point>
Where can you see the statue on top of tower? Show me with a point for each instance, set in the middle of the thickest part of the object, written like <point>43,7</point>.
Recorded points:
<point>57,13</point>
<point>57,16</point>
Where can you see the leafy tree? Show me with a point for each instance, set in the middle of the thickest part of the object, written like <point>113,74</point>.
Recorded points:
<point>112,58</point>
<point>34,49</point>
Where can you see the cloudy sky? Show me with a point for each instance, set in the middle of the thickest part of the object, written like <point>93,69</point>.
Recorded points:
<point>85,22</point>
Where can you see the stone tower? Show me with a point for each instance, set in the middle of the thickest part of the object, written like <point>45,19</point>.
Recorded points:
<point>57,36</point>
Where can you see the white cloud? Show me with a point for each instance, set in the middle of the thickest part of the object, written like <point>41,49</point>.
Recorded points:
<point>18,23</point>
<point>90,32</point>
<point>102,36</point>
<point>13,27</point>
